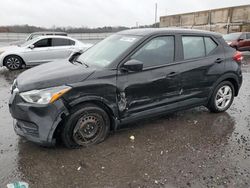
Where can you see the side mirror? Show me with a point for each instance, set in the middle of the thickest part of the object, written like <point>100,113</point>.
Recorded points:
<point>133,65</point>
<point>31,46</point>
<point>74,55</point>
<point>240,39</point>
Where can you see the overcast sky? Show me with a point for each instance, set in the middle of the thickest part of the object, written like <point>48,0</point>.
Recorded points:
<point>98,13</point>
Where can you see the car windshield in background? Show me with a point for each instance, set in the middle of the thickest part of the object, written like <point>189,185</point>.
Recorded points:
<point>232,36</point>
<point>27,43</point>
<point>106,51</point>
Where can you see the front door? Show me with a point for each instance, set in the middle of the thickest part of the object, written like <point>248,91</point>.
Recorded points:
<point>157,85</point>
<point>41,53</point>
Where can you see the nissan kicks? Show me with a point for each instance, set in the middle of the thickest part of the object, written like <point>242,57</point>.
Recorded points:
<point>128,76</point>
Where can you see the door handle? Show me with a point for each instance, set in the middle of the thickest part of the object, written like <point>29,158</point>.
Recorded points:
<point>219,60</point>
<point>172,74</point>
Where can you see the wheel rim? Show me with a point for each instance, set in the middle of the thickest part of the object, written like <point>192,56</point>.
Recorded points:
<point>223,97</point>
<point>87,129</point>
<point>13,63</point>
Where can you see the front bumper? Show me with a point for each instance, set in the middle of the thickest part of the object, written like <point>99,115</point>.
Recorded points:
<point>37,123</point>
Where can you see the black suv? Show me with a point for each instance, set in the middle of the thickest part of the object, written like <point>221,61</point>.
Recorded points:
<point>130,75</point>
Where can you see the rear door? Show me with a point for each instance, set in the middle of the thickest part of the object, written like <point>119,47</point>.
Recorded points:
<point>203,63</point>
<point>157,85</point>
<point>62,48</point>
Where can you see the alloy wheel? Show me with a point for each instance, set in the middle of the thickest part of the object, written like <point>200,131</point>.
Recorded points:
<point>13,63</point>
<point>223,97</point>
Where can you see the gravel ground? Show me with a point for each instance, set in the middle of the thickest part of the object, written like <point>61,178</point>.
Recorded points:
<point>192,148</point>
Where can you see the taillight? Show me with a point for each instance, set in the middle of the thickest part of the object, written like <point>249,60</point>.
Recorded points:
<point>238,57</point>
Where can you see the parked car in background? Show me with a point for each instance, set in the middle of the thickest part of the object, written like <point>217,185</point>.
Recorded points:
<point>128,76</point>
<point>37,34</point>
<point>42,49</point>
<point>239,41</point>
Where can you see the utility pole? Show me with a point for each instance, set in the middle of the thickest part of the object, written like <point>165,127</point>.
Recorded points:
<point>155,14</point>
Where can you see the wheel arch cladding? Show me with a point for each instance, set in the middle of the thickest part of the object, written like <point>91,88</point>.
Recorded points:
<point>98,103</point>
<point>231,77</point>
<point>236,86</point>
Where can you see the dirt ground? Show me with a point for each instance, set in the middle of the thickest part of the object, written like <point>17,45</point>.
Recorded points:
<point>192,148</point>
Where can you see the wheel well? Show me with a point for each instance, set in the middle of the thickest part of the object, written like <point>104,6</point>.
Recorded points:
<point>235,84</point>
<point>56,134</point>
<point>13,55</point>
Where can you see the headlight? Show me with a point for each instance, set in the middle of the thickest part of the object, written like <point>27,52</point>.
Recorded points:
<point>44,96</point>
<point>1,52</point>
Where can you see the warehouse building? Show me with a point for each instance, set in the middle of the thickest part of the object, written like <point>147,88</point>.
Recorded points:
<point>224,20</point>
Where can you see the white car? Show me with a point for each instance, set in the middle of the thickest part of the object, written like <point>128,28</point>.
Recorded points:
<point>40,50</point>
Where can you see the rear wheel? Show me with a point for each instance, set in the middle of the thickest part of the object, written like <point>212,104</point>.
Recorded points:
<point>13,62</point>
<point>222,97</point>
<point>87,125</point>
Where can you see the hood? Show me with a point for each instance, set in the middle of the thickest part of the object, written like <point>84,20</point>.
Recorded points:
<point>18,42</point>
<point>52,74</point>
<point>7,48</point>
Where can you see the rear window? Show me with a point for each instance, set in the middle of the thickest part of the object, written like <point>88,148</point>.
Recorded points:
<point>193,47</point>
<point>210,45</point>
<point>197,46</point>
<point>62,42</point>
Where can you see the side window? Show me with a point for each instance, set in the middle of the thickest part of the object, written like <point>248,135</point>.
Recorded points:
<point>243,36</point>
<point>158,51</point>
<point>72,43</point>
<point>210,44</point>
<point>193,47</point>
<point>43,43</point>
<point>248,35</point>
<point>62,42</point>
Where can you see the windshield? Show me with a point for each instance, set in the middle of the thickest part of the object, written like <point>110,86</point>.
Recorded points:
<point>106,51</point>
<point>29,42</point>
<point>232,36</point>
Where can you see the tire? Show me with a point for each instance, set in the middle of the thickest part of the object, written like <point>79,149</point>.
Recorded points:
<point>13,62</point>
<point>222,97</point>
<point>85,126</point>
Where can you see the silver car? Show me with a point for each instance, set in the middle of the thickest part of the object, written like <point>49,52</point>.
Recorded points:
<point>37,34</point>
<point>40,50</point>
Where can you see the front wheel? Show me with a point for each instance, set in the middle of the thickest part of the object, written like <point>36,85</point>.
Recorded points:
<point>13,62</point>
<point>87,125</point>
<point>222,97</point>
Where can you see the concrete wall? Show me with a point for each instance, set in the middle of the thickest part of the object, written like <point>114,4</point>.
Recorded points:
<point>231,19</point>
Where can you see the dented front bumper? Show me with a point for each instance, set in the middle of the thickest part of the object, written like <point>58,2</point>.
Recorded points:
<point>37,123</point>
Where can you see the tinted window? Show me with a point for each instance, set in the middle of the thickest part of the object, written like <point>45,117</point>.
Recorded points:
<point>248,35</point>
<point>210,45</point>
<point>62,42</point>
<point>193,47</point>
<point>158,51</point>
<point>43,43</point>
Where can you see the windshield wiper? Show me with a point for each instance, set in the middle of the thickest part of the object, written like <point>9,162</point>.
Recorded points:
<point>82,63</point>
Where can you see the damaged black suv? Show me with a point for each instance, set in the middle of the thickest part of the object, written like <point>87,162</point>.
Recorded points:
<point>130,75</point>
